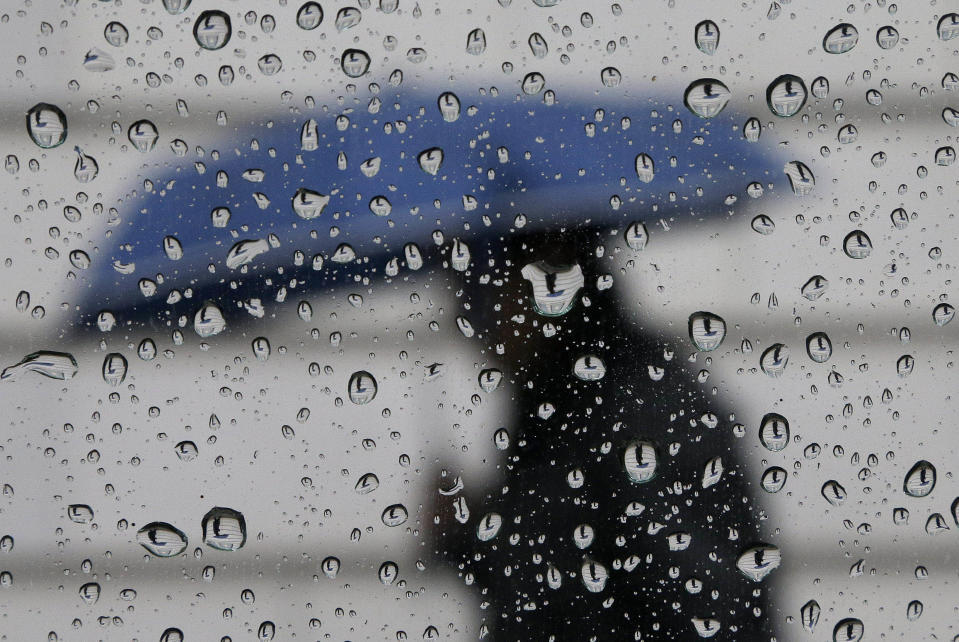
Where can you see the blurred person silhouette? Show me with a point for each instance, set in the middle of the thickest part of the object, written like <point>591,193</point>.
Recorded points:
<point>601,527</point>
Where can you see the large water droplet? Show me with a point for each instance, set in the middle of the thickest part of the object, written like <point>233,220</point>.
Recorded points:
<point>309,16</point>
<point>920,480</point>
<point>640,460</point>
<point>774,359</point>
<point>707,37</point>
<point>786,95</point>
<point>114,369</point>
<point>554,288</point>
<point>355,62</point>
<point>706,97</point>
<point>143,135</point>
<point>162,539</point>
<point>209,321</point>
<point>809,615</point>
<point>848,630</point>
<point>758,561</point>
<point>774,432</point>
<point>589,368</point>
<point>56,365</point>
<point>857,245</point>
<point>47,125</point>
<point>362,387</point>
<point>840,39</point>
<point>212,29</point>
<point>706,330</point>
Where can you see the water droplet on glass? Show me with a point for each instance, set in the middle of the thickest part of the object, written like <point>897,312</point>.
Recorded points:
<point>362,387</point>
<point>706,97</point>
<point>162,539</point>
<point>490,379</point>
<point>347,17</point>
<point>47,125</point>
<point>636,236</point>
<point>774,359</point>
<point>533,83</point>
<point>706,330</point>
<point>610,77</point>
<point>476,42</point>
<point>809,615</point>
<point>645,168</point>
<point>948,27</point>
<point>887,37</point>
<point>308,204</point>
<point>224,529</point>
<point>209,321</point>
<point>143,135</point>
<point>920,480</point>
<point>758,561</point>
<point>430,160</point>
<point>309,16</point>
<point>943,314</point>
<point>589,368</point>
<point>394,515</point>
<point>212,29</point>
<point>116,34</point>
<point>707,37</point>
<point>554,288</point>
<point>114,369</point>
<point>786,95</point>
<point>90,593</point>
<point>79,513</point>
<point>594,576</point>
<point>752,130</point>
<point>774,432</point>
<point>857,245</point>
<point>801,179</point>
<point>819,347</point>
<point>834,493</point>
<point>388,572</point>
<point>640,460</point>
<point>848,630</point>
<point>773,479</point>
<point>840,39</point>
<point>86,167</point>
<point>367,484</point>
<point>354,62</point>
<point>56,365</point>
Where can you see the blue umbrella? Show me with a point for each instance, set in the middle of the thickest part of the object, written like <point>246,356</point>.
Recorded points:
<point>360,185</point>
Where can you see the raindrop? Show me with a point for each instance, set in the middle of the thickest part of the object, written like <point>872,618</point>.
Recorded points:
<point>489,526</point>
<point>395,515</point>
<point>887,37</point>
<point>786,95</point>
<point>840,39</point>
<point>819,347</point>
<point>212,29</point>
<point>645,168</point>
<point>801,180</point>
<point>162,539</point>
<point>707,37</point>
<point>640,460</point>
<point>430,160</point>
<point>367,484</point>
<point>56,365</point>
<point>554,288</point>
<point>79,513</point>
<point>834,493</point>
<point>706,330</point>
<point>490,379</point>
<point>706,97</point>
<point>143,135</point>
<point>948,27</point>
<point>594,576</point>
<point>449,106</point>
<point>86,167</point>
<point>773,479</point>
<point>636,236</point>
<point>476,42</point>
<point>589,368</point>
<point>308,204</point>
<point>362,387</point>
<point>857,245</point>
<point>848,630</point>
<point>758,561</point>
<point>209,321</point>
<point>355,62</point>
<point>774,359</point>
<point>47,125</point>
<point>114,369</point>
<point>309,16</point>
<point>388,572</point>
<point>920,480</point>
<point>809,615</point>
